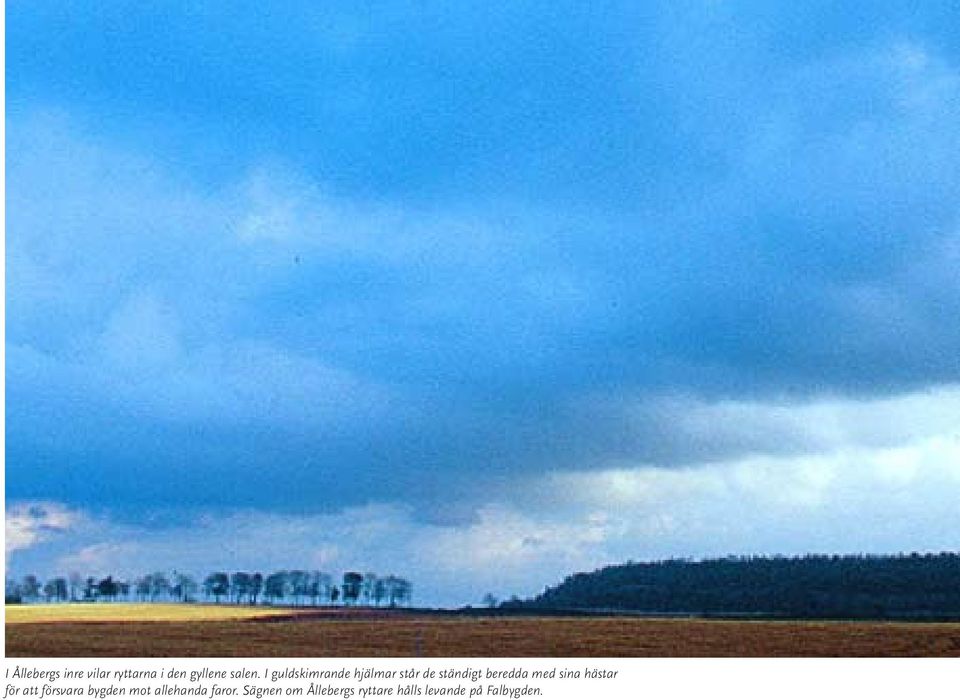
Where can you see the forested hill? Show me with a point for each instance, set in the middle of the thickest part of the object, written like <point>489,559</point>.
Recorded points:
<point>903,586</point>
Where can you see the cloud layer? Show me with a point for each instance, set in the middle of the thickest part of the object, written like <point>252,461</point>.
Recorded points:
<point>888,497</point>
<point>439,262</point>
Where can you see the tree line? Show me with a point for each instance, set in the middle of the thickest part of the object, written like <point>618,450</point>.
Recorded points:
<point>287,587</point>
<point>919,586</point>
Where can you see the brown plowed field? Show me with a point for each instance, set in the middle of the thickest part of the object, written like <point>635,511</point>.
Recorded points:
<point>359,633</point>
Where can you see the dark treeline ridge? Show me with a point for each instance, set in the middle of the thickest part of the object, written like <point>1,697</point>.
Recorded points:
<point>904,586</point>
<point>293,587</point>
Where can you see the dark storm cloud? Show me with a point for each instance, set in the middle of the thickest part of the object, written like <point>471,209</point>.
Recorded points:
<point>304,258</point>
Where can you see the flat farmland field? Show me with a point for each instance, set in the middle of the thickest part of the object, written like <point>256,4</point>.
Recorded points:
<point>137,612</point>
<point>204,630</point>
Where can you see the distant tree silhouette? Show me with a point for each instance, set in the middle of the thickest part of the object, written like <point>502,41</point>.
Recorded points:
<point>256,586</point>
<point>398,590</point>
<point>275,586</point>
<point>90,590</point>
<point>390,589</point>
<point>313,586</point>
<point>184,587</point>
<point>297,586</point>
<point>403,592</point>
<point>61,588</point>
<point>917,586</point>
<point>217,585</point>
<point>324,585</point>
<point>30,587</point>
<point>56,589</point>
<point>369,584</point>
<point>13,592</point>
<point>107,588</point>
<point>298,582</point>
<point>159,585</point>
<point>240,583</point>
<point>350,589</point>
<point>379,591</point>
<point>142,587</point>
<point>76,586</point>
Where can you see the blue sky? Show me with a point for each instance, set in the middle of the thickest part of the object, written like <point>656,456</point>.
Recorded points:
<point>479,295</point>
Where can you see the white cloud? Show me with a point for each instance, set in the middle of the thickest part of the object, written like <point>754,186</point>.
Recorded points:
<point>812,426</point>
<point>878,499</point>
<point>28,524</point>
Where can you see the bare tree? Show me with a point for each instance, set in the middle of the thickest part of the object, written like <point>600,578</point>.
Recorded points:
<point>30,588</point>
<point>256,586</point>
<point>352,582</point>
<point>107,588</point>
<point>399,590</point>
<point>367,587</point>
<point>379,591</point>
<point>298,582</point>
<point>142,587</point>
<point>216,585</point>
<point>275,586</point>
<point>14,592</point>
<point>56,589</point>
<point>240,585</point>
<point>404,592</point>
<point>159,585</point>
<point>325,585</point>
<point>76,586</point>
<point>313,587</point>
<point>184,587</point>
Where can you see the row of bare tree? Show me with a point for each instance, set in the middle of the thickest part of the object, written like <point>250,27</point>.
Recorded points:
<point>293,587</point>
